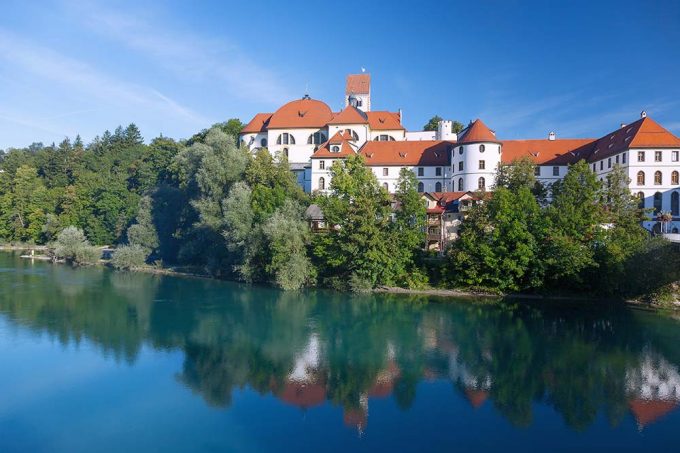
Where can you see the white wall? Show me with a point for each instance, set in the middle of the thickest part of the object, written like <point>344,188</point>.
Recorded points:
<point>420,135</point>
<point>398,134</point>
<point>429,177</point>
<point>300,152</point>
<point>471,172</point>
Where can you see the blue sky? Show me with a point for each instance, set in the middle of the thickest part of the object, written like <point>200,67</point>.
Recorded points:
<point>175,67</point>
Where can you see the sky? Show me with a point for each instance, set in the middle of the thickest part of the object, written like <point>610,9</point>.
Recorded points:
<point>580,68</point>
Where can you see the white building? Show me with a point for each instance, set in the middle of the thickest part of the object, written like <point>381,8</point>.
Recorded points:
<point>444,161</point>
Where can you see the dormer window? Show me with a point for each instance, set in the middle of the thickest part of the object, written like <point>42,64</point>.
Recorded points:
<point>316,138</point>
<point>335,149</point>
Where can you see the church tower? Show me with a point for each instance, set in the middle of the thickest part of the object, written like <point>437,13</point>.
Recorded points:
<point>358,91</point>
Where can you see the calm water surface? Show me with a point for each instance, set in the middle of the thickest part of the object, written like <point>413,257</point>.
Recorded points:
<point>94,360</point>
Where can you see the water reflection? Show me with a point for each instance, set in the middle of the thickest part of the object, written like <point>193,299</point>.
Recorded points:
<point>322,348</point>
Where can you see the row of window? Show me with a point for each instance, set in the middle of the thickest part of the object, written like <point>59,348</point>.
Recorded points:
<point>482,148</point>
<point>555,171</point>
<point>658,156</point>
<point>616,161</point>
<point>658,178</point>
<point>481,185</point>
<point>658,202</point>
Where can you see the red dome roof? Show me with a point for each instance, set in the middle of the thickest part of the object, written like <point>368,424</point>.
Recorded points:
<point>301,113</point>
<point>477,131</point>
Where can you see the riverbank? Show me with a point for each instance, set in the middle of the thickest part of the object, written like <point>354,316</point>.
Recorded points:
<point>664,300</point>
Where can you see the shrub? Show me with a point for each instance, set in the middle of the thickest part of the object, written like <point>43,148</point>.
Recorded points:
<point>128,257</point>
<point>73,247</point>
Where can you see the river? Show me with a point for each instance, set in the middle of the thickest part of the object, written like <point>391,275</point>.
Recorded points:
<point>97,360</point>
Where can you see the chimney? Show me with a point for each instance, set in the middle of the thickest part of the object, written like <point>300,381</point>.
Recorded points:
<point>643,114</point>
<point>401,118</point>
<point>623,125</point>
<point>551,136</point>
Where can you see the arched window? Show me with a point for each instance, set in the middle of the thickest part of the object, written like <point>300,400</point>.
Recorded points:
<point>263,142</point>
<point>641,178</point>
<point>658,198</point>
<point>675,178</point>
<point>386,186</point>
<point>641,196</point>
<point>352,134</point>
<point>482,148</point>
<point>322,184</point>
<point>481,183</point>
<point>658,179</point>
<point>316,138</point>
<point>421,187</point>
<point>675,204</point>
<point>384,138</point>
<point>438,187</point>
<point>460,150</point>
<point>285,139</point>
<point>460,184</point>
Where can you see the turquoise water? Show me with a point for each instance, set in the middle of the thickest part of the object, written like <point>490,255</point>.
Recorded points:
<point>95,360</point>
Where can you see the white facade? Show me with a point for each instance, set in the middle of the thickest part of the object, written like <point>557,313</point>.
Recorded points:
<point>474,166</point>
<point>430,178</point>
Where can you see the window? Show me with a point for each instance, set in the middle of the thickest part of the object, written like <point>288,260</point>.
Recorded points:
<point>460,166</point>
<point>421,171</point>
<point>594,167</point>
<point>482,148</point>
<point>263,142</point>
<point>386,171</point>
<point>482,165</point>
<point>556,171</point>
<point>657,156</point>
<point>641,156</point>
<point>352,134</point>
<point>675,178</point>
<point>641,196</point>
<point>481,184</point>
<point>460,184</point>
<point>601,165</point>
<point>322,184</point>
<point>438,187</point>
<point>537,171</point>
<point>285,139</point>
<point>335,149</point>
<point>609,163</point>
<point>623,158</point>
<point>316,138</point>
<point>421,187</point>
<point>675,204</point>
<point>675,156</point>
<point>641,178</point>
<point>438,171</point>
<point>322,165</point>
<point>658,179</point>
<point>384,138</point>
<point>285,152</point>
<point>658,202</point>
<point>617,158</point>
<point>460,150</point>
<point>386,186</point>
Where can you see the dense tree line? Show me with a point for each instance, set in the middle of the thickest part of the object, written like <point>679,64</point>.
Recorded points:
<point>587,238</point>
<point>207,202</point>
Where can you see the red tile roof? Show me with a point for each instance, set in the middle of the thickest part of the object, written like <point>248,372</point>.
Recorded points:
<point>350,115</point>
<point>476,132</point>
<point>425,152</point>
<point>544,151</point>
<point>301,113</point>
<point>344,141</point>
<point>358,84</point>
<point>257,124</point>
<point>648,411</point>
<point>643,133</point>
<point>384,121</point>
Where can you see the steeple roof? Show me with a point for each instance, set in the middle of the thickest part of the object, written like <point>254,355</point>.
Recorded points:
<point>476,132</point>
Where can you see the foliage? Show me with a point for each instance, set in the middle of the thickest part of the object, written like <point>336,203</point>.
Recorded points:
<point>73,247</point>
<point>129,256</point>
<point>433,123</point>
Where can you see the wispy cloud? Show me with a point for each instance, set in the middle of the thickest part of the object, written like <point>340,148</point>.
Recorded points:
<point>81,77</point>
<point>185,53</point>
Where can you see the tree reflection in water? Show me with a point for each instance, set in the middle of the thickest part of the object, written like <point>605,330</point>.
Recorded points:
<point>315,348</point>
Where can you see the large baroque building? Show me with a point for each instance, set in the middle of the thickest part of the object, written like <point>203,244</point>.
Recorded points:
<point>313,137</point>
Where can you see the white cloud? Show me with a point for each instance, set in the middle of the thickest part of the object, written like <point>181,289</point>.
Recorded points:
<point>187,54</point>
